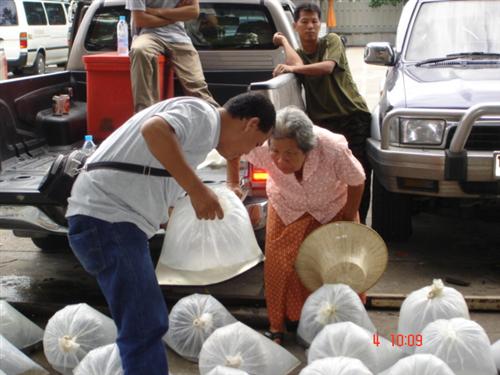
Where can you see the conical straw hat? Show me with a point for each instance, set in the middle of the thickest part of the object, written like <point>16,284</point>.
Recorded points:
<point>342,252</point>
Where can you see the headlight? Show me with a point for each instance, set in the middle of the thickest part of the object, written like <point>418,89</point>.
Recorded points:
<point>421,131</point>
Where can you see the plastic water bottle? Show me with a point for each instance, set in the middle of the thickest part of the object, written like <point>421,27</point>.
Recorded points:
<point>122,36</point>
<point>88,145</point>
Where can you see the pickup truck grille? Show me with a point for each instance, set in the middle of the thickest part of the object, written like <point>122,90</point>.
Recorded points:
<point>481,138</point>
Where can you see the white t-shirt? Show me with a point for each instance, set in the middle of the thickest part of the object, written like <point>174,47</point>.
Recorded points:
<point>173,33</point>
<point>117,196</point>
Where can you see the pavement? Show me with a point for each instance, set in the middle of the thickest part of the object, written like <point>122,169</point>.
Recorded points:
<point>463,250</point>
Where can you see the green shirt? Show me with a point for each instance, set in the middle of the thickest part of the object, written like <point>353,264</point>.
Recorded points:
<point>333,97</point>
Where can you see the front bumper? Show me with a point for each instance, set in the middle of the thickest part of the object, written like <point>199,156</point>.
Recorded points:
<point>452,172</point>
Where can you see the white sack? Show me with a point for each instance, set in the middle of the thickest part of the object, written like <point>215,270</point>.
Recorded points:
<point>191,321</point>
<point>240,347</point>
<point>428,304</point>
<point>223,370</point>
<point>419,364</point>
<point>74,331</point>
<point>495,350</point>
<point>18,329</point>
<point>332,303</point>
<point>104,360</point>
<point>387,353</point>
<point>461,343</point>
<point>202,252</point>
<point>15,362</point>
<point>336,366</point>
<point>345,339</point>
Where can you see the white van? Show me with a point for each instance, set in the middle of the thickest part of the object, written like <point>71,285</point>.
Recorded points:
<point>34,34</point>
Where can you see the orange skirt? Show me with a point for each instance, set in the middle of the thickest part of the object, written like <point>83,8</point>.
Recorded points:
<point>285,294</point>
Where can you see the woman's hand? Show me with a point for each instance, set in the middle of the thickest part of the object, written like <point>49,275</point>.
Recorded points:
<point>235,188</point>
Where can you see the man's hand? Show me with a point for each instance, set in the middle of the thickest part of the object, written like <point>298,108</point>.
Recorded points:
<point>206,204</point>
<point>282,69</point>
<point>279,39</point>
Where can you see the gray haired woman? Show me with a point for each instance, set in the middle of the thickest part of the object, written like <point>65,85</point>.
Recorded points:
<point>313,180</point>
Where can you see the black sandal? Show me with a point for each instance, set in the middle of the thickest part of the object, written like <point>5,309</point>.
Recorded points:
<point>277,337</point>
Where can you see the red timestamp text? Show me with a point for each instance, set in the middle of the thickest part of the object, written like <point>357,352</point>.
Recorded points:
<point>401,340</point>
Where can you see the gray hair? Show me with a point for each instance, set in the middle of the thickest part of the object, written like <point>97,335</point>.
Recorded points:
<point>292,122</point>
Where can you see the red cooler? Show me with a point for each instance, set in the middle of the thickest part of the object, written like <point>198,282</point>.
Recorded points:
<point>109,93</point>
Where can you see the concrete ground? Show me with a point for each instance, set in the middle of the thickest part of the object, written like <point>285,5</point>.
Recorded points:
<point>463,250</point>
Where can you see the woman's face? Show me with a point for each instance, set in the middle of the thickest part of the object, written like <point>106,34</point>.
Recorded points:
<point>287,155</point>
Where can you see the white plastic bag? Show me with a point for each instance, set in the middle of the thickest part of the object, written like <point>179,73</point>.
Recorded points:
<point>104,360</point>
<point>223,370</point>
<point>240,347</point>
<point>192,320</point>
<point>388,353</point>
<point>345,339</point>
<point>332,303</point>
<point>201,252</point>
<point>419,364</point>
<point>495,350</point>
<point>15,362</point>
<point>461,343</point>
<point>428,304</point>
<point>74,331</point>
<point>18,329</point>
<point>336,366</point>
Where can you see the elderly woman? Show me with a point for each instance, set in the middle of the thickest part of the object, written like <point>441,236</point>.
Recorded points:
<point>313,180</point>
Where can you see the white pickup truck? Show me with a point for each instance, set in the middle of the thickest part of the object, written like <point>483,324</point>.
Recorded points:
<point>239,57</point>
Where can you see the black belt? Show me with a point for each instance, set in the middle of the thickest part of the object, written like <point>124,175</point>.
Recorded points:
<point>128,167</point>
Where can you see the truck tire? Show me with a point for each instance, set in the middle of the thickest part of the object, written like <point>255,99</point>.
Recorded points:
<point>391,213</point>
<point>39,64</point>
<point>51,243</point>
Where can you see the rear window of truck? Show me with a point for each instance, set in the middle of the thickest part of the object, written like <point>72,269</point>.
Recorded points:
<point>8,13</point>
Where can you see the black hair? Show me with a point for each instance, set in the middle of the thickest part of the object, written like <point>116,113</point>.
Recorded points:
<point>251,104</point>
<point>306,7</point>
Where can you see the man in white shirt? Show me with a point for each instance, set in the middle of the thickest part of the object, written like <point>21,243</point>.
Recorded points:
<point>112,213</point>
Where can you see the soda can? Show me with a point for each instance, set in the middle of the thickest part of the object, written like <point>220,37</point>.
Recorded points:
<point>65,104</point>
<point>56,105</point>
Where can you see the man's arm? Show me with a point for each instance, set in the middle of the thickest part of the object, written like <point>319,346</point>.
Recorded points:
<point>184,11</point>
<point>233,176</point>
<point>294,64</point>
<point>354,194</point>
<point>163,144</point>
<point>142,19</point>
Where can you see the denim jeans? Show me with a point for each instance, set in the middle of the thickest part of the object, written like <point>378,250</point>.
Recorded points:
<point>117,255</point>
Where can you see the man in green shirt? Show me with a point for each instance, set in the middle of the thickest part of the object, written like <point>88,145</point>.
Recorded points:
<point>332,98</point>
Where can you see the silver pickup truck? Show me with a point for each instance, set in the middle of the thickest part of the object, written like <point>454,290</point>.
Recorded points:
<point>240,56</point>
<point>435,139</point>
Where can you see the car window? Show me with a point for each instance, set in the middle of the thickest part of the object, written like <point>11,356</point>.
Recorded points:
<point>8,13</point>
<point>55,13</point>
<point>102,30</point>
<point>35,15</point>
<point>230,26</point>
<point>442,28</point>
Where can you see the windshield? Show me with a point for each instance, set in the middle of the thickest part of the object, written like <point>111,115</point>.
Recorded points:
<point>451,27</point>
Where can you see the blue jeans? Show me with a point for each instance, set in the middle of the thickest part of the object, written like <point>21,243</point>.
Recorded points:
<point>117,255</point>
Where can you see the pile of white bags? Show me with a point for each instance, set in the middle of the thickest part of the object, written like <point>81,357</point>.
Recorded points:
<point>192,320</point>
<point>74,331</point>
<point>240,347</point>
<point>202,252</point>
<point>104,360</point>
<point>495,351</point>
<point>428,304</point>
<point>336,366</point>
<point>347,339</point>
<point>419,364</point>
<point>332,303</point>
<point>15,362</point>
<point>462,344</point>
<point>223,370</point>
<point>18,329</point>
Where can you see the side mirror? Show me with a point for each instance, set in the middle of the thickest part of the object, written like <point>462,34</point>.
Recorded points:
<point>379,53</point>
